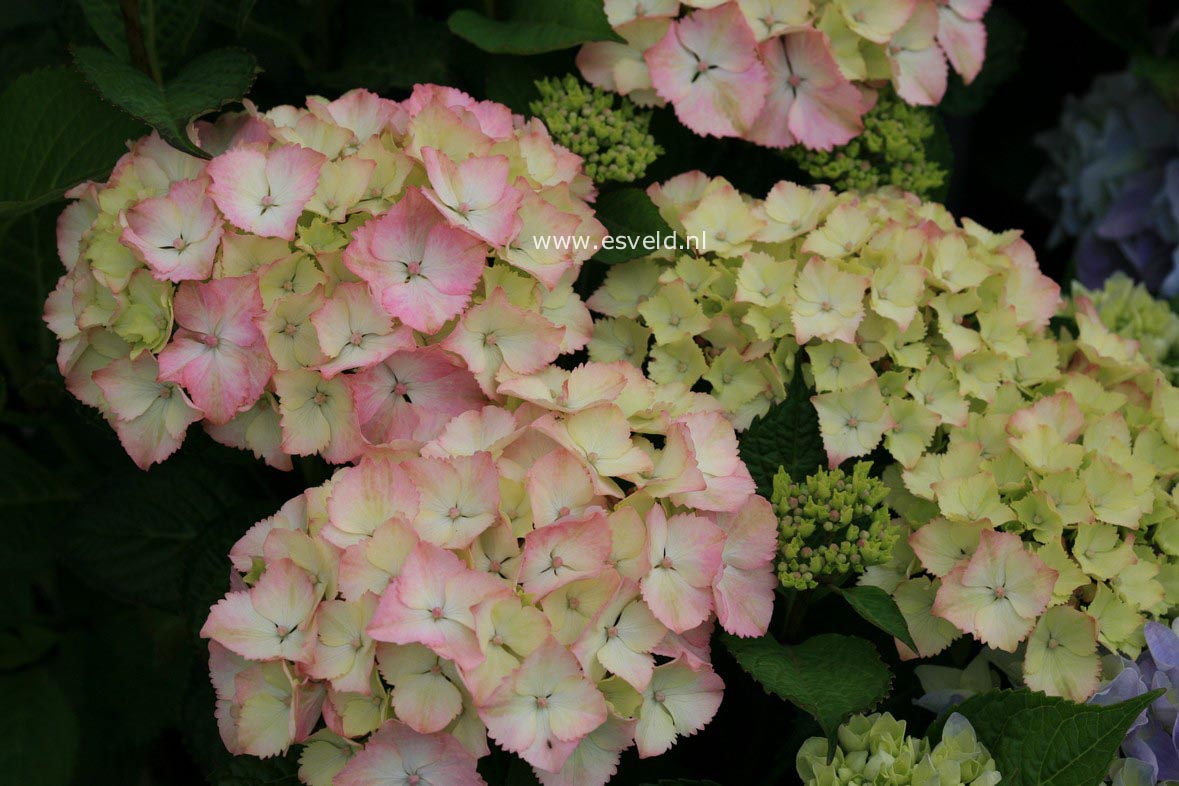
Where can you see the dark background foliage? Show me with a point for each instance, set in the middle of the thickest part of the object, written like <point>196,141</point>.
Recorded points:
<point>106,572</point>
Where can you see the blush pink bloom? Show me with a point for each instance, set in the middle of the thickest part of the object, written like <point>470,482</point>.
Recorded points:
<point>706,65</point>
<point>744,587</point>
<point>560,553</point>
<point>150,417</point>
<point>727,482</point>
<point>431,602</point>
<point>918,66</point>
<point>218,355</point>
<point>421,269</point>
<point>354,332</point>
<point>264,191</point>
<point>412,394</point>
<point>272,620</point>
<point>998,592</point>
<point>175,235</point>
<point>678,701</point>
<point>810,101</point>
<point>475,194</point>
<point>683,557</point>
<point>496,334</point>
<point>458,498</point>
<point>397,755</point>
<point>544,708</point>
<point>962,35</point>
<point>363,113</point>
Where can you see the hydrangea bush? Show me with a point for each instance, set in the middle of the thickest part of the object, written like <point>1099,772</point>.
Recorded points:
<point>784,72</point>
<point>1035,472</point>
<point>301,291</point>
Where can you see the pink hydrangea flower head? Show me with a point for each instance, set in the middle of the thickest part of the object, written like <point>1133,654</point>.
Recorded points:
<point>264,192</point>
<point>706,65</point>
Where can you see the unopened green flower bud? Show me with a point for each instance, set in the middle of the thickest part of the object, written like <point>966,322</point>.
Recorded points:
<point>606,130</point>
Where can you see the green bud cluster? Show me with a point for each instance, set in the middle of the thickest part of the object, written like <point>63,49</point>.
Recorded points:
<point>831,524</point>
<point>874,749</point>
<point>1129,310</point>
<point>892,151</point>
<point>604,129</point>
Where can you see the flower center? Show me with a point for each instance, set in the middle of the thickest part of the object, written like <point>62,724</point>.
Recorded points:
<point>1000,592</point>
<point>436,612</point>
<point>490,340</point>
<point>542,702</point>
<point>574,603</point>
<point>454,512</point>
<point>665,562</point>
<point>660,696</point>
<point>320,399</point>
<point>211,340</point>
<point>179,244</point>
<point>356,339</point>
<point>564,511</point>
<point>558,563</point>
<point>795,80</point>
<point>400,389</point>
<point>267,201</point>
<point>414,268</point>
<point>497,640</point>
<point>612,632</point>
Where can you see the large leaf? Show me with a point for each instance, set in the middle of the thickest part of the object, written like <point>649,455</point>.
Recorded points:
<point>134,539</point>
<point>206,84</point>
<point>829,676</point>
<point>535,26</point>
<point>1039,739</point>
<point>55,132</point>
<point>635,226</point>
<point>38,731</point>
<point>106,20</point>
<point>786,437</point>
<point>877,606</point>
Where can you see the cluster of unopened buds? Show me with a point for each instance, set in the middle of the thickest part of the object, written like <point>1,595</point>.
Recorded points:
<point>784,72</point>
<point>546,572</point>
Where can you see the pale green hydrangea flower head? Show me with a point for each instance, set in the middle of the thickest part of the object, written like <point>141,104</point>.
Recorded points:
<point>874,749</point>
<point>1128,309</point>
<point>831,524</point>
<point>892,151</point>
<point>604,129</point>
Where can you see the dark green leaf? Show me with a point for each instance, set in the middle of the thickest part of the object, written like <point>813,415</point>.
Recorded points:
<point>828,676</point>
<point>1125,23</point>
<point>29,493</point>
<point>422,55</point>
<point>1038,739</point>
<point>55,132</point>
<point>786,437</point>
<point>169,26</point>
<point>204,85</point>
<point>634,224</point>
<point>134,538</point>
<point>38,731</point>
<point>106,20</point>
<point>877,606</point>
<point>535,26</point>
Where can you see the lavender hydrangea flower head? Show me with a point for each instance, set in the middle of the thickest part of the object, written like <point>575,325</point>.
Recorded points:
<point>1151,747</point>
<point>1113,183</point>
